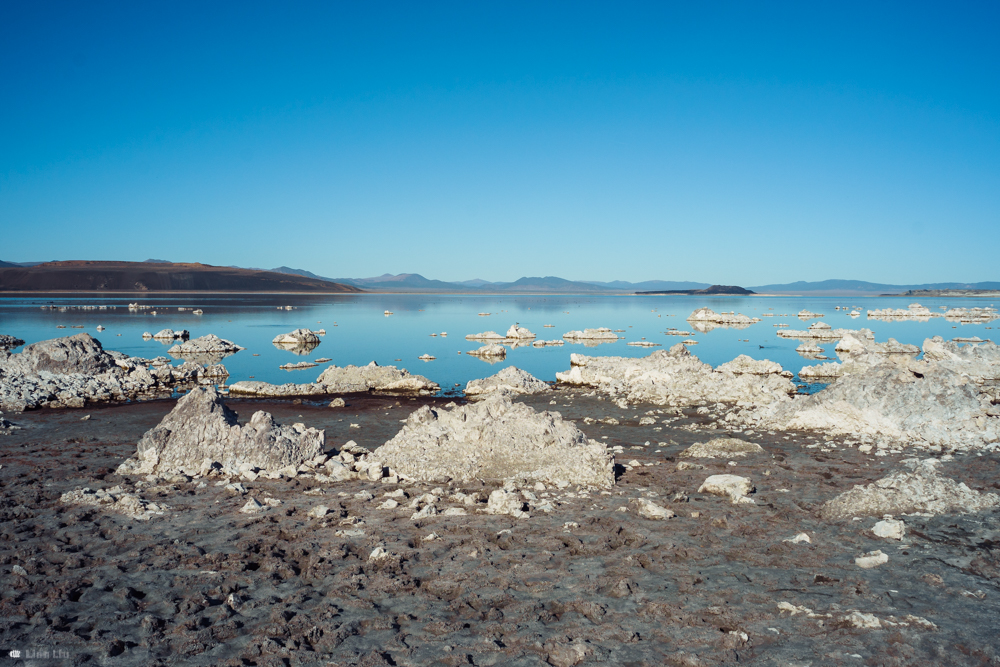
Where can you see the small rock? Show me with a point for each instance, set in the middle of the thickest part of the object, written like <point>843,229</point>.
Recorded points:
<point>871,559</point>
<point>650,510</point>
<point>734,487</point>
<point>890,529</point>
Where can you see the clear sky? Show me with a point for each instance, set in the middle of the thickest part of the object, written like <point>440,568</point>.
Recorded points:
<point>738,143</point>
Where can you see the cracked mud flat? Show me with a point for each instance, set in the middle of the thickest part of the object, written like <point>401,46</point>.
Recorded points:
<point>204,584</point>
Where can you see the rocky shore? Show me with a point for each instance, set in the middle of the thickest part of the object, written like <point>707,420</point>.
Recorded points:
<point>652,510</point>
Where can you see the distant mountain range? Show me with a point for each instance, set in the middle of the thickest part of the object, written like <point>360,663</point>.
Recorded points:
<point>414,282</point>
<point>860,287</point>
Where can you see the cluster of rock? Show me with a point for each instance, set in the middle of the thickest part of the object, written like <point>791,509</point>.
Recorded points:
<point>807,315</point>
<point>511,381</point>
<point>207,350</point>
<point>676,377</point>
<point>116,500</point>
<point>972,315</point>
<point>344,380</point>
<point>721,448</point>
<point>921,489</point>
<point>73,371</point>
<point>201,434</point>
<point>857,355</point>
<point>947,400</point>
<point>496,440</point>
<point>706,319</point>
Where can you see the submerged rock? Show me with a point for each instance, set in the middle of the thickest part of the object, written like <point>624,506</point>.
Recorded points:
<point>508,382</point>
<point>201,433</point>
<point>496,440</point>
<point>297,337</point>
<point>676,377</point>
<point>602,333</point>
<point>493,351</point>
<point>516,331</point>
<point>706,319</point>
<point>920,490</point>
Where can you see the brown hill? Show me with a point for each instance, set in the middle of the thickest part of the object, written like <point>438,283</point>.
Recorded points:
<point>86,276</point>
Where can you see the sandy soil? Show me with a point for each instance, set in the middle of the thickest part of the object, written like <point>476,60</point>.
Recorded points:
<point>204,584</point>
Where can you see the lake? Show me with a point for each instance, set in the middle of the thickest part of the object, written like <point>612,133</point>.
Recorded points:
<point>358,331</point>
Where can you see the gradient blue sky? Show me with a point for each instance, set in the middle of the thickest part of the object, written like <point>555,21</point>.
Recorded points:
<point>741,143</point>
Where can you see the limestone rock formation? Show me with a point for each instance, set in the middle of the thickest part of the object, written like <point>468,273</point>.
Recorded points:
<point>201,433</point>
<point>508,382</point>
<point>297,337</point>
<point>516,331</point>
<point>209,349</point>
<point>602,333</point>
<point>345,380</point>
<point>496,440</point>
<point>921,489</point>
<point>493,351</point>
<point>676,377</point>
<point>486,335</point>
<point>75,354</point>
<point>706,319</point>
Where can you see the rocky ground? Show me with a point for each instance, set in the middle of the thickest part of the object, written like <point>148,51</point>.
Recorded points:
<point>590,582</point>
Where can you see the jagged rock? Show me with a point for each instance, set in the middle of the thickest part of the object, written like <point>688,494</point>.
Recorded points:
<point>903,400</point>
<point>508,382</point>
<point>809,349</point>
<point>116,500</point>
<point>496,439</point>
<point>920,490</point>
<point>677,377</point>
<point>516,331</point>
<point>980,361</point>
<point>75,354</point>
<point>602,333</point>
<point>200,431</point>
<point>9,342</point>
<point>721,447</point>
<point>298,366</point>
<point>745,365</point>
<point>733,487</point>
<point>650,510</point>
<point>858,356</point>
<point>297,337</point>
<point>807,315</point>
<point>969,315</point>
<point>492,351</point>
<point>209,349</point>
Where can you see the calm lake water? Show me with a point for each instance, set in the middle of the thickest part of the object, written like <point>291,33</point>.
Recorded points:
<point>358,331</point>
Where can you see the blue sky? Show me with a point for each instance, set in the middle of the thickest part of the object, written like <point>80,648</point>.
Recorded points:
<point>739,143</point>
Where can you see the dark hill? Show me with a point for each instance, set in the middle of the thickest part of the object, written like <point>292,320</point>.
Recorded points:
<point>85,276</point>
<point>728,290</point>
